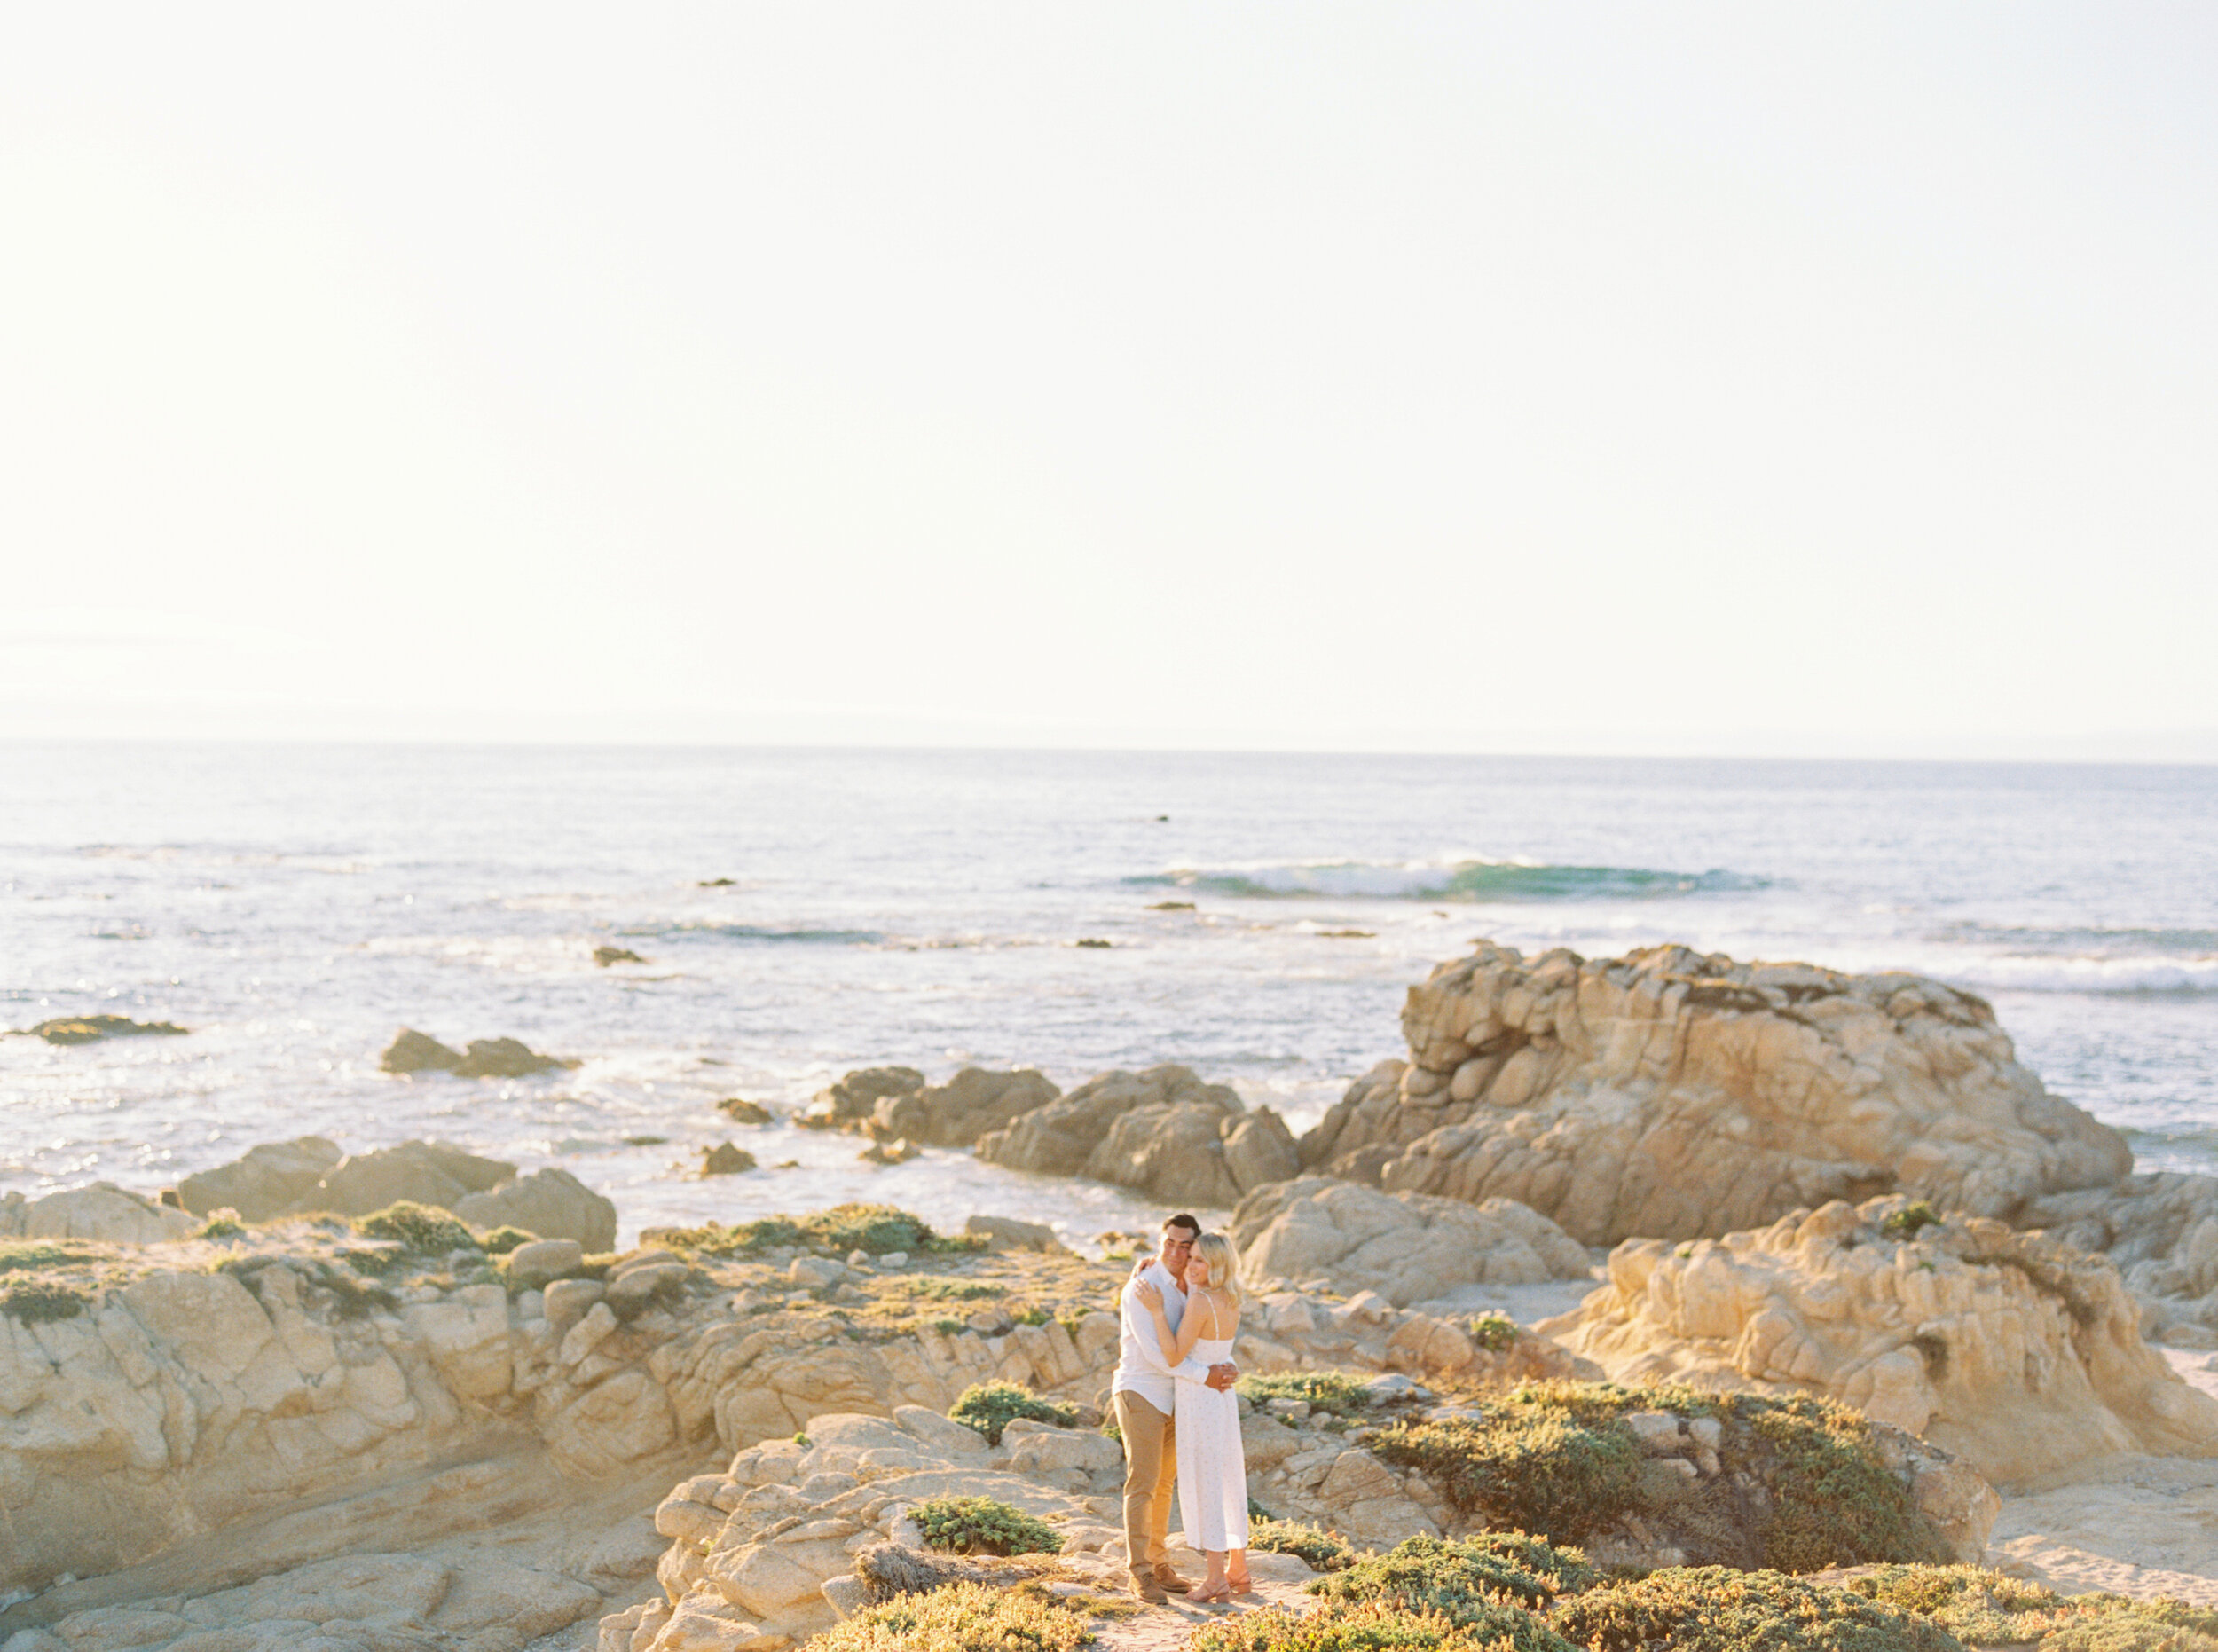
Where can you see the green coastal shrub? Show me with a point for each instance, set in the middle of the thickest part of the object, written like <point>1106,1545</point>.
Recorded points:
<point>1371,1626</point>
<point>1713,1609</point>
<point>965,1618</point>
<point>501,1240</point>
<point>37,1302</point>
<point>876,1228</point>
<point>990,1407</point>
<point>221,1228</point>
<point>1340,1392</point>
<point>979,1525</point>
<point>1315,1547</point>
<point>1557,1459</point>
<point>1982,1607</point>
<point>423,1228</point>
<point>1906,1222</point>
<point>1496,1333</point>
<point>26,1256</point>
<point>1459,1578</point>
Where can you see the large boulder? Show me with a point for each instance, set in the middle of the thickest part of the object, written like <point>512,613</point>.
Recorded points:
<point>107,1213</point>
<point>2161,1230</point>
<point>1408,1247</point>
<point>412,1052</point>
<point>1164,1132</point>
<point>270,1179</point>
<point>2014,1351</point>
<point>1678,1094</point>
<point>428,1173</point>
<point>851,1103</point>
<point>551,1203</point>
<point>505,1058</point>
<point>956,1113</point>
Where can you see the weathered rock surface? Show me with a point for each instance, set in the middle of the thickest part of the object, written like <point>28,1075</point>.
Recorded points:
<point>972,1103</point>
<point>1164,1132</point>
<point>428,1173</point>
<point>2162,1228</point>
<point>505,1058</point>
<point>1676,1095</point>
<point>1408,1247</point>
<point>86,1029</point>
<point>2012,1350</point>
<point>412,1052</point>
<point>102,1211</point>
<point>269,1180</point>
<point>551,1203</point>
<point>851,1103</point>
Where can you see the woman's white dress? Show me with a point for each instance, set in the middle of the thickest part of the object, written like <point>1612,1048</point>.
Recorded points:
<point>1211,1465</point>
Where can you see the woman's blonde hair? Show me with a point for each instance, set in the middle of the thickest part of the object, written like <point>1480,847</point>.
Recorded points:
<point>1224,1264</point>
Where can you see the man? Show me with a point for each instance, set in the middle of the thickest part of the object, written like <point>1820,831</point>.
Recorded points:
<point>1144,1394</point>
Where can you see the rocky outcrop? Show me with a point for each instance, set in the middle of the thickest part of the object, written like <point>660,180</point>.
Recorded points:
<point>102,1212</point>
<point>1677,1095</point>
<point>2162,1232</point>
<point>1163,1132</point>
<point>551,1203</point>
<point>1408,1247</point>
<point>86,1029</point>
<point>412,1052</point>
<point>850,1103</point>
<point>269,1180</point>
<point>2017,1353</point>
<point>427,1172</point>
<point>973,1103</point>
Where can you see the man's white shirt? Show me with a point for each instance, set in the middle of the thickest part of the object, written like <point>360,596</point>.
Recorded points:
<point>1142,1368</point>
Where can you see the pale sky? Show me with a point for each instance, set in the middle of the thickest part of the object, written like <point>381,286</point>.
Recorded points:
<point>1805,379</point>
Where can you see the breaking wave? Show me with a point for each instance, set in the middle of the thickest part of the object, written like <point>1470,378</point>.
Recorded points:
<point>1471,880</point>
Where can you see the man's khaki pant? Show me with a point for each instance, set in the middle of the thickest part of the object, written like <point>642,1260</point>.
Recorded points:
<point>1151,1472</point>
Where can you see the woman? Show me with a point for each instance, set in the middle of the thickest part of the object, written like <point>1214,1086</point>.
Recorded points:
<point>1212,1466</point>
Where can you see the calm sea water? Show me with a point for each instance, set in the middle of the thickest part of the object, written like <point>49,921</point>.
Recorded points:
<point>294,906</point>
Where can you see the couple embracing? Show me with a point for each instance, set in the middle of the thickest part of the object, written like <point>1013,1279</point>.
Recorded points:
<point>1172,1393</point>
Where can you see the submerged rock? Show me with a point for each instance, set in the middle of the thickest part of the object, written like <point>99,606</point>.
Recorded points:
<point>739,1111</point>
<point>505,1058</point>
<point>86,1029</point>
<point>2017,1353</point>
<point>1408,1247</point>
<point>725,1160</point>
<point>606,955</point>
<point>1677,1095</point>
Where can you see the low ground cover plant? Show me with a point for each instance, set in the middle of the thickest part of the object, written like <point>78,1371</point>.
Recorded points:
<point>422,1229</point>
<point>965,1618</point>
<point>1342,1392</point>
<point>875,1229</point>
<point>1713,1609</point>
<point>990,1407</point>
<point>1315,1547</point>
<point>1372,1627</point>
<point>1461,1580</point>
<point>1986,1609</point>
<point>979,1525</point>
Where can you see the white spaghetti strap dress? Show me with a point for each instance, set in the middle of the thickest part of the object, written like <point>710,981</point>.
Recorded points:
<point>1212,1464</point>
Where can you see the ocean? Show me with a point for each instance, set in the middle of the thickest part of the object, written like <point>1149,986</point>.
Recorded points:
<point>294,906</point>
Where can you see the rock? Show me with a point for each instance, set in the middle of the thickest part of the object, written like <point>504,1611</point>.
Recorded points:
<point>86,1029</point>
<point>743,1111</point>
<point>852,1102</point>
<point>568,1301</point>
<point>1164,1132</point>
<point>725,1160</point>
<point>1407,1246</point>
<point>1676,1095</point>
<point>551,1203</point>
<point>1042,1449</point>
<point>269,1180</point>
<point>543,1261</point>
<point>957,1113</point>
<point>412,1052</point>
<point>2013,1351</point>
<point>940,1435</point>
<point>428,1173</point>
<point>504,1058</point>
<point>896,1152</point>
<point>1008,1233</point>
<point>606,955</point>
<point>107,1213</point>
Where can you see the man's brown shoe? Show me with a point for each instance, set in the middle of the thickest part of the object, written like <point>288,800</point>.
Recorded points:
<point>1146,1586</point>
<point>1170,1580</point>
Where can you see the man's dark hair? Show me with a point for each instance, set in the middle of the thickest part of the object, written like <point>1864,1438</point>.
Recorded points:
<point>1181,1220</point>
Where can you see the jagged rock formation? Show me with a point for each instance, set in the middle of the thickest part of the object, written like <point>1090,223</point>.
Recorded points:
<point>2016,1352</point>
<point>308,1174</point>
<point>849,1104</point>
<point>86,1029</point>
<point>2162,1231</point>
<point>1164,1132</point>
<point>412,1052</point>
<point>973,1103</point>
<point>1676,1095</point>
<point>102,1212</point>
<point>1408,1247</point>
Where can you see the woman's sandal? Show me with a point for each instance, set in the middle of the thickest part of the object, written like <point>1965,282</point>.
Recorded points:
<point>1222,1595</point>
<point>1240,1585</point>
